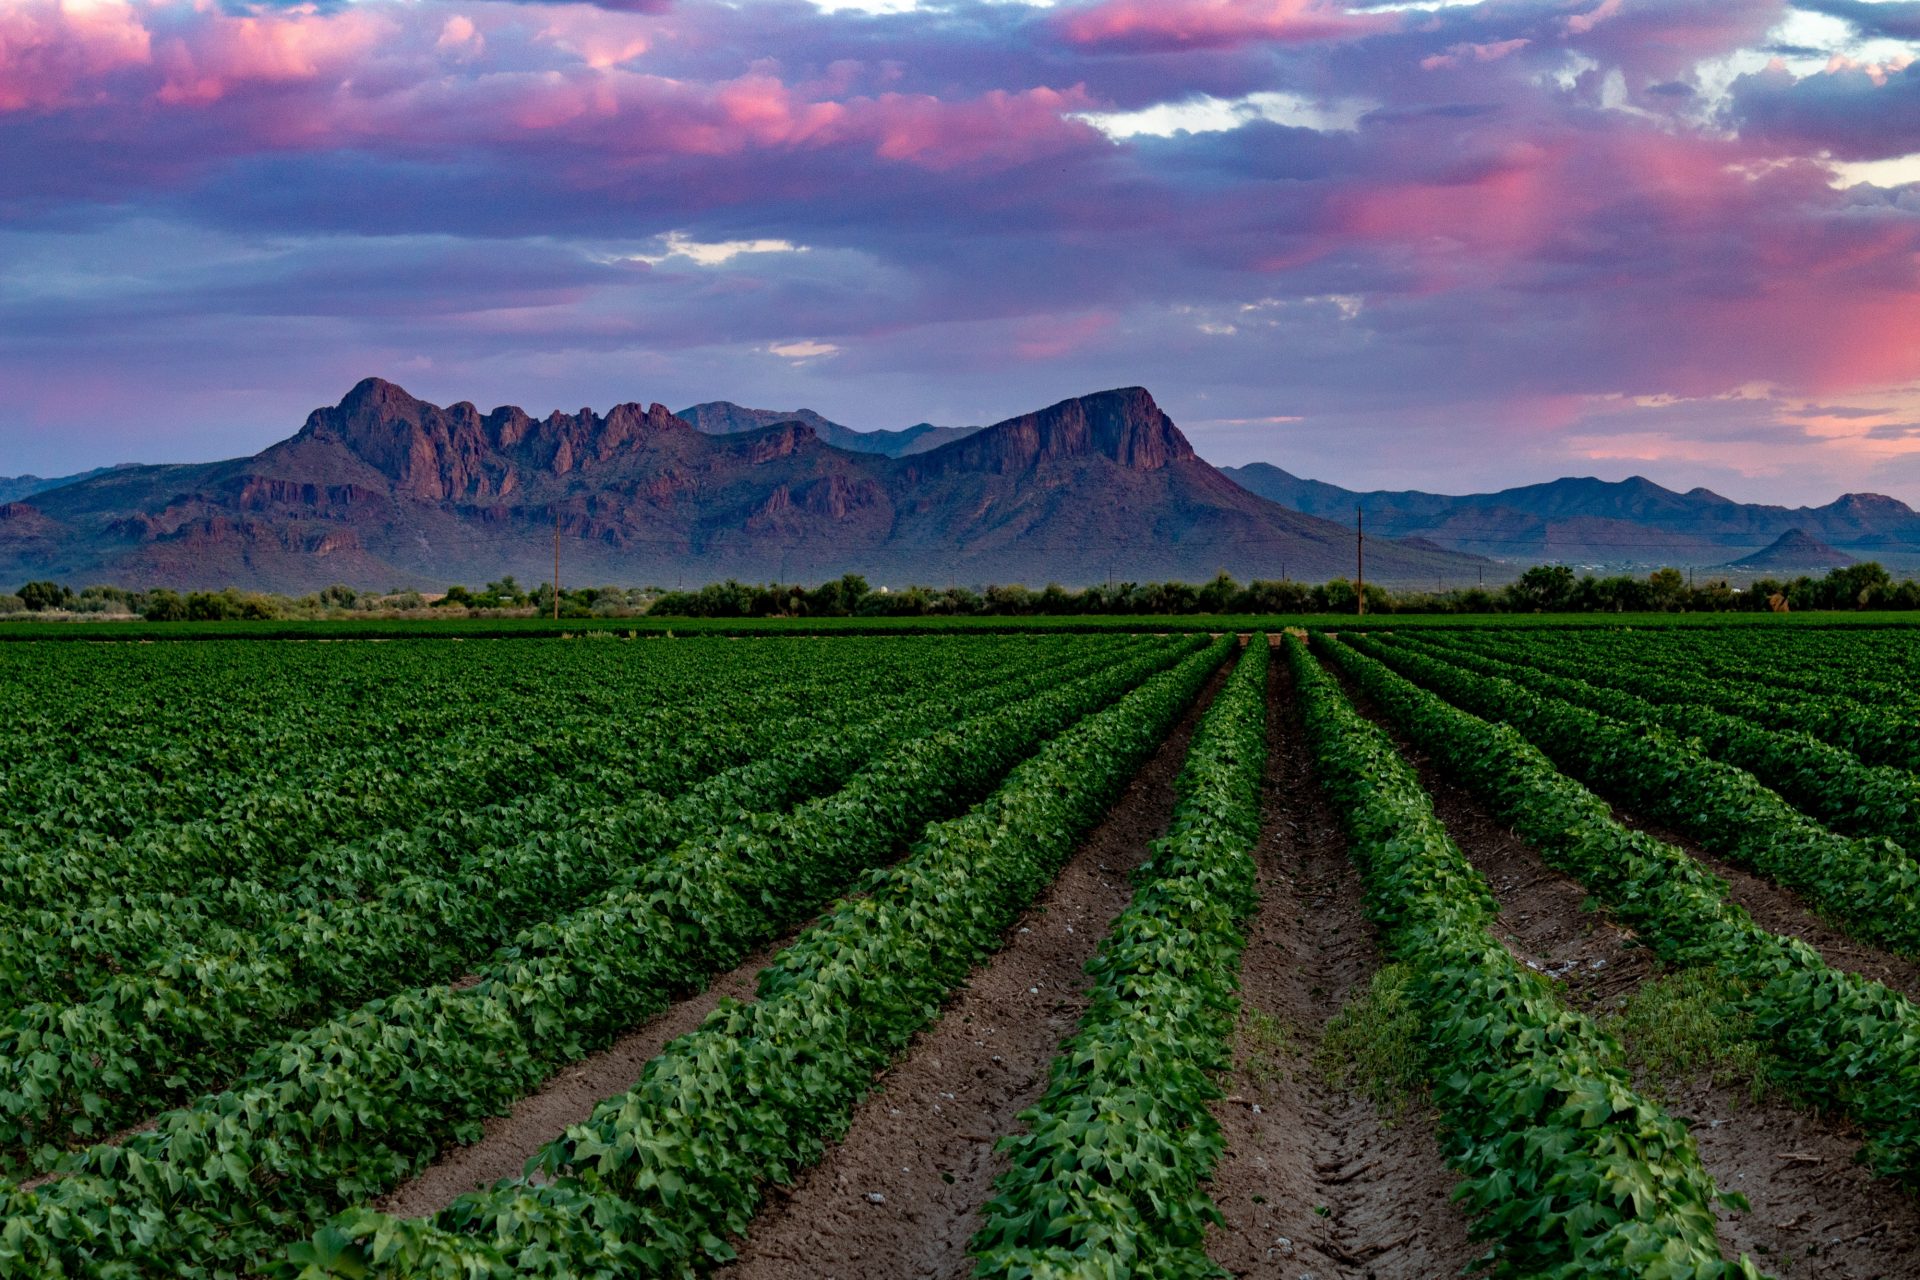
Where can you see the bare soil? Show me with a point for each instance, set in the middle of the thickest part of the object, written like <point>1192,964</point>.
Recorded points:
<point>1295,1145</point>
<point>899,1195</point>
<point>567,1098</point>
<point>1815,1212</point>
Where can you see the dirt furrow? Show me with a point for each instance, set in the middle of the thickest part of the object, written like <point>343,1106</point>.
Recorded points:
<point>568,1097</point>
<point>1781,910</point>
<point>898,1196</point>
<point>1816,1212</point>
<point>1316,1180</point>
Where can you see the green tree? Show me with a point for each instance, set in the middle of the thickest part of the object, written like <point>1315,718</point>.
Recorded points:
<point>1545,588</point>
<point>45,595</point>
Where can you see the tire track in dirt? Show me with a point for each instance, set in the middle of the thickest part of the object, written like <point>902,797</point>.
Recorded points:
<point>1294,1144</point>
<point>1815,1211</point>
<point>898,1197</point>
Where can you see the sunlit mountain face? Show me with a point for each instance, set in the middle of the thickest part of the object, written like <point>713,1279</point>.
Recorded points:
<point>1453,247</point>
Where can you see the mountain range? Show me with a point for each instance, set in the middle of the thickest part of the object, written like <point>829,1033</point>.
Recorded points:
<point>1625,523</point>
<point>385,490</point>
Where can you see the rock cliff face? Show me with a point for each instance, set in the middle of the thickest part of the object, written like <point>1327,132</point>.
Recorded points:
<point>384,489</point>
<point>1124,426</point>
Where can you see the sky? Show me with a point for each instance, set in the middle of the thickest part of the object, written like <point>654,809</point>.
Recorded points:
<point>1452,246</point>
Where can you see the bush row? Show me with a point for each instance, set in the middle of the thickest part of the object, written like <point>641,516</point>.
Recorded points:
<point>658,1179</point>
<point>1839,1040</point>
<point>1108,1179</point>
<point>1568,1170</point>
<point>347,1110</point>
<point>1868,885</point>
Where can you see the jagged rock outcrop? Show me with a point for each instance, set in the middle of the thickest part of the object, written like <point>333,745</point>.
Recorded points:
<point>384,489</point>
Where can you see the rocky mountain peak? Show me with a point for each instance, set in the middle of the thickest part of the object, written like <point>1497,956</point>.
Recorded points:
<point>1123,425</point>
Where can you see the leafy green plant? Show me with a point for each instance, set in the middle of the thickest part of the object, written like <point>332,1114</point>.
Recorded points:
<point>1869,886</point>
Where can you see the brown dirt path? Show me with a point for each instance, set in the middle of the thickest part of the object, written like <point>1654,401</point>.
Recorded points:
<point>568,1097</point>
<point>1295,1145</point>
<point>1781,910</point>
<point>1815,1211</point>
<point>898,1197</point>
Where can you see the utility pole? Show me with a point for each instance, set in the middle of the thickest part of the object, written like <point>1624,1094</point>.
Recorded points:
<point>1360,551</point>
<point>556,561</point>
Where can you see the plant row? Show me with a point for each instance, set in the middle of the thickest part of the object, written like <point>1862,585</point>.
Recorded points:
<point>660,1178</point>
<point>1868,729</point>
<point>155,1036</point>
<point>67,953</point>
<point>1108,1179</point>
<point>1820,779</point>
<point>210,778</point>
<point>346,1111</point>
<point>1839,1040</point>
<point>304,750</point>
<point>1867,885</point>
<point>1568,1171</point>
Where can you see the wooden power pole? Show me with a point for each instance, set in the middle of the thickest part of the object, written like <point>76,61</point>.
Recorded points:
<point>1360,551</point>
<point>556,562</point>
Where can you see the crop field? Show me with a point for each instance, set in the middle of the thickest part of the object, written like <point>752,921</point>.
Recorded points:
<point>1510,951</point>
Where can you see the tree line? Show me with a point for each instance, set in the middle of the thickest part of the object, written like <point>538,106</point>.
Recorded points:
<point>1548,588</point>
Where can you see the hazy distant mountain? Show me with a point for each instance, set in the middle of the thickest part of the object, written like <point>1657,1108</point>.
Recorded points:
<point>1584,520</point>
<point>13,488</point>
<point>1795,550</point>
<point>384,489</point>
<point>723,417</point>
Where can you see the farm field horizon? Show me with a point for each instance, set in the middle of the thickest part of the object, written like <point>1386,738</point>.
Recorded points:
<point>1391,950</point>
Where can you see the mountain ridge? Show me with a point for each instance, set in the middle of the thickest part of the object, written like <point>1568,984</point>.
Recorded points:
<point>724,417</point>
<point>385,489</point>
<point>1583,518</point>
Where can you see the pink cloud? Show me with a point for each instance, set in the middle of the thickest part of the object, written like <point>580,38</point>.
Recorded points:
<point>209,61</point>
<point>1160,25</point>
<point>52,53</point>
<point>1580,23</point>
<point>1459,53</point>
<point>997,128</point>
<point>1051,337</point>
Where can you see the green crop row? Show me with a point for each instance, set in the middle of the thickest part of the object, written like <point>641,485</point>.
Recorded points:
<point>1108,1179</point>
<point>255,788</point>
<point>1838,1040</point>
<point>1867,885</point>
<point>1567,1169</point>
<point>1877,731</point>
<point>347,1110</point>
<point>1820,779</point>
<point>87,1067</point>
<point>658,1179</point>
<point>65,952</point>
<point>1873,667</point>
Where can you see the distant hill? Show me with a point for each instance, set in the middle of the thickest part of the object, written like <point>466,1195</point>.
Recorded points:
<point>1586,520</point>
<point>723,417</point>
<point>387,490</point>
<point>13,488</point>
<point>1796,550</point>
